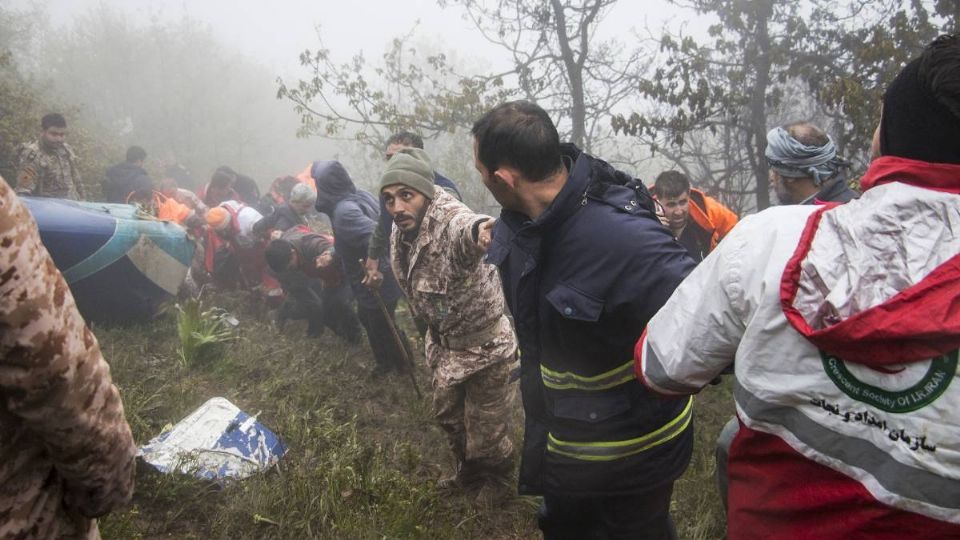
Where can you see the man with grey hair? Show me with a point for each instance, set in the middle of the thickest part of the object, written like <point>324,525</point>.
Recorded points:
<point>804,166</point>
<point>299,210</point>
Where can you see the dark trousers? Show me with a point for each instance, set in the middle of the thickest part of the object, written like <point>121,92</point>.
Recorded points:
<point>643,516</point>
<point>338,313</point>
<point>382,342</point>
<point>330,308</point>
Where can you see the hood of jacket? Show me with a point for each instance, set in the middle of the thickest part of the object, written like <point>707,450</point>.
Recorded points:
<point>590,178</point>
<point>877,280</point>
<point>333,184</point>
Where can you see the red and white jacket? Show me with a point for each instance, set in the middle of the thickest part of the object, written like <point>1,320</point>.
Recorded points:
<point>844,325</point>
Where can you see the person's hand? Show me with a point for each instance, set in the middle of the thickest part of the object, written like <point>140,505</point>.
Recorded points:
<point>661,215</point>
<point>373,279</point>
<point>324,260</point>
<point>275,235</point>
<point>485,236</point>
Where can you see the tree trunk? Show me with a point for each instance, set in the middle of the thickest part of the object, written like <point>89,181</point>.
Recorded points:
<point>758,109</point>
<point>574,69</point>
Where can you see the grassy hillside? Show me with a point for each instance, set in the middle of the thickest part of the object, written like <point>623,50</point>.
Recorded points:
<point>364,453</point>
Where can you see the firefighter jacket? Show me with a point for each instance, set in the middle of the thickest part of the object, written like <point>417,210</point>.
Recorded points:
<point>581,281</point>
<point>843,326</point>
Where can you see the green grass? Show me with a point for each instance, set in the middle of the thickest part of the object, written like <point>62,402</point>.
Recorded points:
<point>202,333</point>
<point>364,453</point>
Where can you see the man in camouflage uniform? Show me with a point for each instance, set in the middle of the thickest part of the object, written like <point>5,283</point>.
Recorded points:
<point>66,452</point>
<point>437,250</point>
<point>47,167</point>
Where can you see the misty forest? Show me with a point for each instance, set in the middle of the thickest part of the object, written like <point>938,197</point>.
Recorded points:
<point>696,92</point>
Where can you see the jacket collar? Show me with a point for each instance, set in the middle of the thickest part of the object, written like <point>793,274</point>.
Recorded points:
<point>588,178</point>
<point>568,200</point>
<point>831,191</point>
<point>923,174</point>
<point>513,227</point>
<point>571,197</point>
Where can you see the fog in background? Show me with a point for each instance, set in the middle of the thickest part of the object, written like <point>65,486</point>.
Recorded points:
<point>692,85</point>
<point>196,82</point>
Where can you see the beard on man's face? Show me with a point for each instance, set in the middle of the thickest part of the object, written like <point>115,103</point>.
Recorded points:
<point>783,196</point>
<point>404,221</point>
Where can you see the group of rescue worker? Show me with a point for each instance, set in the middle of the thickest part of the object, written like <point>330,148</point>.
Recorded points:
<point>834,312</point>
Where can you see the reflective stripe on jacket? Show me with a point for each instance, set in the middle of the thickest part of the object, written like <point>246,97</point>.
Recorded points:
<point>581,282</point>
<point>842,324</point>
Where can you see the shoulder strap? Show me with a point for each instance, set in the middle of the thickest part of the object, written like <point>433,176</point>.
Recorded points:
<point>234,221</point>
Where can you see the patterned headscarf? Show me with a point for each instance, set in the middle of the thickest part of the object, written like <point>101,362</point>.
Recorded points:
<point>793,159</point>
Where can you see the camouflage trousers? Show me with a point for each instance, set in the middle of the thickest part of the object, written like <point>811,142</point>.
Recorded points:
<point>475,415</point>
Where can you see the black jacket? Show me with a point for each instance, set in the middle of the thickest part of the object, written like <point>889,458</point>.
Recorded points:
<point>281,219</point>
<point>582,280</point>
<point>123,179</point>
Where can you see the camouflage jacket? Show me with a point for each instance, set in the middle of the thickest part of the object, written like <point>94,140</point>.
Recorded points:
<point>448,285</point>
<point>45,172</point>
<point>66,452</point>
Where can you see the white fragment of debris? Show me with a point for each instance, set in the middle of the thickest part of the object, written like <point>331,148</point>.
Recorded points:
<point>215,442</point>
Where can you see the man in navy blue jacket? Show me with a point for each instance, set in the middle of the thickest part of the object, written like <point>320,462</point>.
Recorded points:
<point>585,263</point>
<point>355,213</point>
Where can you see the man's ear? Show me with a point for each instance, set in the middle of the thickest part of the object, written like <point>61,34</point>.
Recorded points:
<point>507,176</point>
